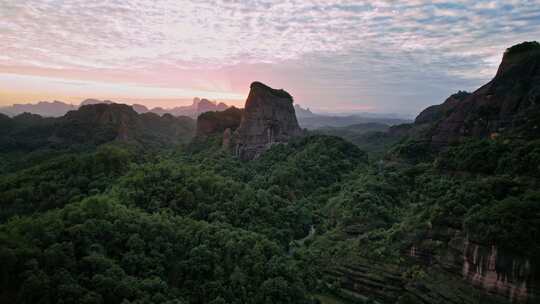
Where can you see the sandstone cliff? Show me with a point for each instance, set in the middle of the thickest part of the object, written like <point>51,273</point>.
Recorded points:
<point>509,103</point>
<point>268,118</point>
<point>494,271</point>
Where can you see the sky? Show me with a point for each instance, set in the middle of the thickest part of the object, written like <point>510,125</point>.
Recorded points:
<point>332,56</point>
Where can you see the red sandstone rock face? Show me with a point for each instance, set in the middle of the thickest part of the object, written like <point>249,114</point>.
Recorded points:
<point>495,272</point>
<point>509,102</point>
<point>268,118</point>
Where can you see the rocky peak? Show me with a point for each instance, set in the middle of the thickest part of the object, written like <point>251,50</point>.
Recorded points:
<point>205,105</point>
<point>509,103</point>
<point>517,55</point>
<point>221,106</point>
<point>303,112</point>
<point>268,118</point>
<point>139,108</point>
<point>434,113</point>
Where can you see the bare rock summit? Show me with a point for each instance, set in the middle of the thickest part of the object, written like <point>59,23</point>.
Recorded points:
<point>269,118</point>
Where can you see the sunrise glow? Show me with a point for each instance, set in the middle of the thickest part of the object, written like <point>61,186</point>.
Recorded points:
<point>330,55</point>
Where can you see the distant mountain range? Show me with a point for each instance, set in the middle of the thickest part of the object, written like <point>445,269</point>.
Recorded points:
<point>306,118</point>
<point>199,105</point>
<point>43,108</point>
<point>303,112</point>
<point>309,120</point>
<point>312,121</point>
<point>323,121</point>
<point>59,108</point>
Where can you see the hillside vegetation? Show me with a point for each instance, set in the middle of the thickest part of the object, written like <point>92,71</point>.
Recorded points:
<point>109,206</point>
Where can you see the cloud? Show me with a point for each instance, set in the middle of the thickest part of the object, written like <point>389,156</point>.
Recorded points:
<point>397,55</point>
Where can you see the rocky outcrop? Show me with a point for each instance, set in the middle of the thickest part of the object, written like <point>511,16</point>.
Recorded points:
<point>491,270</point>
<point>303,112</point>
<point>509,103</point>
<point>436,112</point>
<point>216,122</point>
<point>139,108</point>
<point>269,118</point>
<point>497,272</point>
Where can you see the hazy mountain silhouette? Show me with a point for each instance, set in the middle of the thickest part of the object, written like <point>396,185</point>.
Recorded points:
<point>59,108</point>
<point>44,108</point>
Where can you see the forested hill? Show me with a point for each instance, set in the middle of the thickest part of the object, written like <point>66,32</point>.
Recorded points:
<point>93,125</point>
<point>142,214</point>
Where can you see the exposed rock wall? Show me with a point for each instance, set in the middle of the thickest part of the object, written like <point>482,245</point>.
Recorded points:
<point>508,102</point>
<point>268,118</point>
<point>489,269</point>
<point>498,273</point>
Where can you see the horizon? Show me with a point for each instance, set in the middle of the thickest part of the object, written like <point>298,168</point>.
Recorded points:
<point>149,103</point>
<point>332,56</point>
<point>170,104</point>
